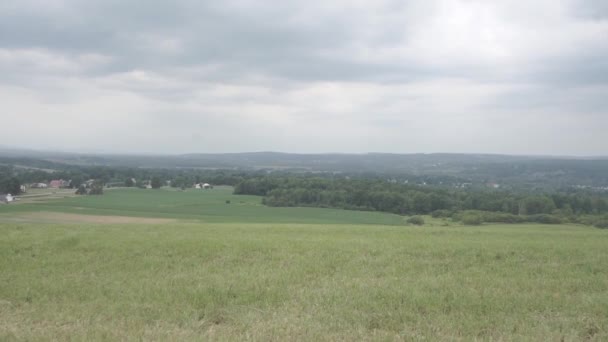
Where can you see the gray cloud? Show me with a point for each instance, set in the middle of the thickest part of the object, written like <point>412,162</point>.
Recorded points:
<point>591,9</point>
<point>315,76</point>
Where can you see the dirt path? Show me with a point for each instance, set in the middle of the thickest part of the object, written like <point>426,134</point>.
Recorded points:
<point>54,217</point>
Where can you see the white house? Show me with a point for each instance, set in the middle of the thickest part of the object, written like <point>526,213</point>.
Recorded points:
<point>202,186</point>
<point>6,198</point>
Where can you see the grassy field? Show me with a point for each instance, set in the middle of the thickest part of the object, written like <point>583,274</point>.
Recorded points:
<point>207,206</point>
<point>213,277</point>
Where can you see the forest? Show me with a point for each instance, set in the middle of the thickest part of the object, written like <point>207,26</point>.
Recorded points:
<point>472,204</point>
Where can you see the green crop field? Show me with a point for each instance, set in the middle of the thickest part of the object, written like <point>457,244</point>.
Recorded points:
<point>201,269</point>
<point>205,205</point>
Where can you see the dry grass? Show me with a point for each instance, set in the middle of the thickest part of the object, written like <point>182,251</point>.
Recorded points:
<point>56,217</point>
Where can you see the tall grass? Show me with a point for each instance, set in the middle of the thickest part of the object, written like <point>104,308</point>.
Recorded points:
<point>302,282</point>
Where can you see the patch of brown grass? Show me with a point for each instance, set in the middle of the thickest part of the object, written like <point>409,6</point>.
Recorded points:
<point>55,217</point>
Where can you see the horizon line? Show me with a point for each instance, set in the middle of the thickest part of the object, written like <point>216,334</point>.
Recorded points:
<point>13,149</point>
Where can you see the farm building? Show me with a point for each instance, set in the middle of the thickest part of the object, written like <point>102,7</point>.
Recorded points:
<point>203,186</point>
<point>59,183</point>
<point>6,198</point>
<point>39,185</point>
<point>493,185</point>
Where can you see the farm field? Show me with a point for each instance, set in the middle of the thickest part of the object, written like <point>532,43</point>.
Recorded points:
<point>206,270</point>
<point>200,205</point>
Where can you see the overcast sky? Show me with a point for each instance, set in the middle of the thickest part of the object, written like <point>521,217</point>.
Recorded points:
<point>515,77</point>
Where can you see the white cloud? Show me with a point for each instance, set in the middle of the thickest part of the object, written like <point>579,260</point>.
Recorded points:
<point>342,76</point>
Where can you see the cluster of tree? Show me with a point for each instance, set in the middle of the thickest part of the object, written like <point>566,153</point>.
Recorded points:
<point>404,199</point>
<point>476,217</point>
<point>9,183</point>
<point>96,188</point>
<point>43,172</point>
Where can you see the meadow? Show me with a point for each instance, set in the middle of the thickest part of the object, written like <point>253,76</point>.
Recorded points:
<point>207,270</point>
<point>192,204</point>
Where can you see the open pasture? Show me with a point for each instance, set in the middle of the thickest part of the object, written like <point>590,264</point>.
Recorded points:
<point>192,204</point>
<point>202,269</point>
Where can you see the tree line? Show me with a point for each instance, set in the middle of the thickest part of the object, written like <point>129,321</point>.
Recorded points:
<point>9,182</point>
<point>404,199</point>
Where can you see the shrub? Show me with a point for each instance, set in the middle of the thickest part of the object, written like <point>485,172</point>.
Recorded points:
<point>96,189</point>
<point>497,217</point>
<point>442,213</point>
<point>155,182</point>
<point>471,219</point>
<point>82,190</point>
<point>417,220</point>
<point>601,223</point>
<point>598,221</point>
<point>545,218</point>
<point>129,182</point>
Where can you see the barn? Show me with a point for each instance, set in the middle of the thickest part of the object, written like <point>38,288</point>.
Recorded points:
<point>203,186</point>
<point>6,198</point>
<point>59,183</point>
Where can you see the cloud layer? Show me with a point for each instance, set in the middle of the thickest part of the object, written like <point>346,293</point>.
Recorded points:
<point>315,76</point>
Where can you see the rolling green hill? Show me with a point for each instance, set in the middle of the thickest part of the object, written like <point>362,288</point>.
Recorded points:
<point>244,281</point>
<point>138,264</point>
<point>208,206</point>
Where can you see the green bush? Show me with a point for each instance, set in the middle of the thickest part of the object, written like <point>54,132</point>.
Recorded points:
<point>156,183</point>
<point>96,188</point>
<point>82,190</point>
<point>545,218</point>
<point>497,217</point>
<point>417,220</point>
<point>602,224</point>
<point>442,213</point>
<point>470,219</point>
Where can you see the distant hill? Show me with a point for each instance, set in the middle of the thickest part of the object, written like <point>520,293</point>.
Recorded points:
<point>478,167</point>
<point>337,162</point>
